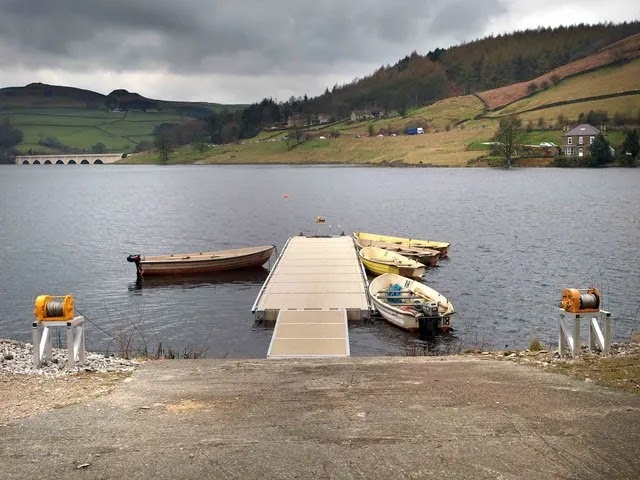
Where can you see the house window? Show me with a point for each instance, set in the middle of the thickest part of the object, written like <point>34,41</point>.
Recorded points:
<point>591,140</point>
<point>569,151</point>
<point>569,140</point>
<point>580,152</point>
<point>580,140</point>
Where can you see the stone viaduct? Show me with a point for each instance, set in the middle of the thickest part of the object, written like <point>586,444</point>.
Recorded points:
<point>80,159</point>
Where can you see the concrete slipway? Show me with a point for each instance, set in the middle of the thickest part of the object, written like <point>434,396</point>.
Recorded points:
<point>368,418</point>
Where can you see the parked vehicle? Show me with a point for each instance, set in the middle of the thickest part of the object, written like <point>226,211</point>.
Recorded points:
<point>415,131</point>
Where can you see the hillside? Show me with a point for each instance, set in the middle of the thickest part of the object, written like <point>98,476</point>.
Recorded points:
<point>457,129</point>
<point>618,52</point>
<point>57,118</point>
<point>417,91</point>
<point>42,95</point>
<point>478,66</point>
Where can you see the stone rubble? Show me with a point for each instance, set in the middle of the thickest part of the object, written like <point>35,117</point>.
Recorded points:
<point>17,358</point>
<point>546,357</point>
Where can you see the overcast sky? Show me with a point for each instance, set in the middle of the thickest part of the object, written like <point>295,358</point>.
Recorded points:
<point>242,51</point>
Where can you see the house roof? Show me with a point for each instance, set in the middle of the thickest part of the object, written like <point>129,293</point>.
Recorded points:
<point>584,129</point>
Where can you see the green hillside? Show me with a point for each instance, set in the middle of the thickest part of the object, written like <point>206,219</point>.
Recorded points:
<point>58,118</point>
<point>457,129</point>
<point>82,128</point>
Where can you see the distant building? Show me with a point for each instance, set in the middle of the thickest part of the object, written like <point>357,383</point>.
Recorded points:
<point>360,115</point>
<point>307,119</point>
<point>298,120</point>
<point>577,142</point>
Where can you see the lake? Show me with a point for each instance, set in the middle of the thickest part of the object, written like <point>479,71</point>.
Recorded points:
<point>518,238</point>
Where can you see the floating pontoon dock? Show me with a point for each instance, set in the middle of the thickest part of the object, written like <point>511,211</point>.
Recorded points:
<point>317,284</point>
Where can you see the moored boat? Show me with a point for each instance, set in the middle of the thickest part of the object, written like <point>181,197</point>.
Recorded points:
<point>202,262</point>
<point>442,247</point>
<point>425,255</point>
<point>410,304</point>
<point>380,261</point>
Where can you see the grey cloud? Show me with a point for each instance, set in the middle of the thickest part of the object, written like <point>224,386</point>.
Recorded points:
<point>250,37</point>
<point>246,50</point>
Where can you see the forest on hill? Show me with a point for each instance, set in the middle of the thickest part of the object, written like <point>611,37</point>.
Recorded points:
<point>419,80</point>
<point>483,64</point>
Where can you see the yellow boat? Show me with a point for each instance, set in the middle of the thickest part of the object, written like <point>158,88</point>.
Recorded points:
<point>442,247</point>
<point>379,261</point>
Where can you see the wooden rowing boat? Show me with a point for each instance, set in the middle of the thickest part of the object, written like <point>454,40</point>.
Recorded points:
<point>410,304</point>
<point>428,256</point>
<point>442,247</point>
<point>379,261</point>
<point>202,262</point>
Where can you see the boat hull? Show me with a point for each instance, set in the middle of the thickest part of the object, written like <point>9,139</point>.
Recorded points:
<point>202,262</point>
<point>379,261</point>
<point>442,247</point>
<point>427,256</point>
<point>404,314</point>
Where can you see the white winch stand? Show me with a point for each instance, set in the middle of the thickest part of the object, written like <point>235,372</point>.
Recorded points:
<point>570,334</point>
<point>42,340</point>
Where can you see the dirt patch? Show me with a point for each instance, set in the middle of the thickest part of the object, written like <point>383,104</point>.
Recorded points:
<point>24,395</point>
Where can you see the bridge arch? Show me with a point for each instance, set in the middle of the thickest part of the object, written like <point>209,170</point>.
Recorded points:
<point>59,159</point>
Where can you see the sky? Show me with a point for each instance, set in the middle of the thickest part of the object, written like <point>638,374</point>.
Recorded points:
<point>243,51</point>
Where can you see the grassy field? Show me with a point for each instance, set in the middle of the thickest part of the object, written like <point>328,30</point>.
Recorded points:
<point>605,81</point>
<point>601,82</point>
<point>437,149</point>
<point>82,128</point>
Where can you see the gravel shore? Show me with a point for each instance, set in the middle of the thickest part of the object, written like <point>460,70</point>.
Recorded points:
<point>17,358</point>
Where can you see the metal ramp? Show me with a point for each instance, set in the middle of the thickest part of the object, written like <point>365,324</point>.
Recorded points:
<point>310,334</point>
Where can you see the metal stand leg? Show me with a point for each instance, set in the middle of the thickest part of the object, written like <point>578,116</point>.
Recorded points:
<point>42,349</point>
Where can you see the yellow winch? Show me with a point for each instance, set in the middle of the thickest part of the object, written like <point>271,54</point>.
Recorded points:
<point>54,308</point>
<point>581,301</point>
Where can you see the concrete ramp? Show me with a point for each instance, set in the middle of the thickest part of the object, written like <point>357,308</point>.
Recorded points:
<point>310,334</point>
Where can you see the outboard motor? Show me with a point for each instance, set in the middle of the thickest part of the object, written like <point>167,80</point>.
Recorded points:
<point>136,259</point>
<point>428,321</point>
<point>430,309</point>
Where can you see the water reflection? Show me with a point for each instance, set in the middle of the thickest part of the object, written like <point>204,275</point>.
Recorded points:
<point>254,276</point>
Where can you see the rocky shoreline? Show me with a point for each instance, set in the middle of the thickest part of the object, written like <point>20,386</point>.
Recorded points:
<point>549,358</point>
<point>17,358</point>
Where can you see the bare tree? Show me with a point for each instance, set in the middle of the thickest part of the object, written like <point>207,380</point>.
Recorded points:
<point>164,146</point>
<point>508,138</point>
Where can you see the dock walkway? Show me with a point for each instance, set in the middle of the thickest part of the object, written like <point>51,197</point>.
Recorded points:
<point>317,284</point>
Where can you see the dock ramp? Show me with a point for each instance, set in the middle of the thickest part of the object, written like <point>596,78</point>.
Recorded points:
<point>315,273</point>
<point>310,334</point>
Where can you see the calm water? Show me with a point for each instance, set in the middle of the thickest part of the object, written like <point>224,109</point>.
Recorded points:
<point>518,238</point>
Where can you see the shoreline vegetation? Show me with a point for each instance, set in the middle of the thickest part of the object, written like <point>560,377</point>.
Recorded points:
<point>25,391</point>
